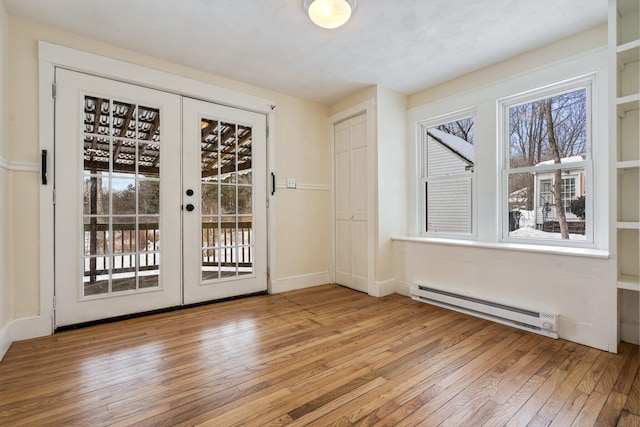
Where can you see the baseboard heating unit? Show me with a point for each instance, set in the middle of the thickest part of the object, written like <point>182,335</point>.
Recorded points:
<point>533,321</point>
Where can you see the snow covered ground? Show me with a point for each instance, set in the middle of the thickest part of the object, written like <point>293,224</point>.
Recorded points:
<point>532,233</point>
<point>527,229</point>
<point>527,219</point>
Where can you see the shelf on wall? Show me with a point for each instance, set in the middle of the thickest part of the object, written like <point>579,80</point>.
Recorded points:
<point>631,283</point>
<point>628,103</point>
<point>628,164</point>
<point>628,53</point>
<point>624,49</point>
<point>628,225</point>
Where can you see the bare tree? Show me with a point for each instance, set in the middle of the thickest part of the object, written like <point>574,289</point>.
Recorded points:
<point>462,128</point>
<point>527,131</point>
<point>545,107</point>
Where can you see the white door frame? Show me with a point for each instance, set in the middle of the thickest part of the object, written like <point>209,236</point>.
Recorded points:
<point>368,108</point>
<point>51,56</point>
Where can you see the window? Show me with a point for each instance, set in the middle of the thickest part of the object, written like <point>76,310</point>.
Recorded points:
<point>547,164</point>
<point>447,170</point>
<point>568,193</point>
<point>546,195</point>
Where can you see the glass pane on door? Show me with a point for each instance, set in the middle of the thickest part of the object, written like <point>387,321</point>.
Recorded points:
<point>121,197</point>
<point>226,190</point>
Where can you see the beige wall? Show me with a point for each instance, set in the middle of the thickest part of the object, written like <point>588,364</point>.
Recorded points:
<point>4,65</point>
<point>580,289</point>
<point>392,177</point>
<point>6,287</point>
<point>25,249</point>
<point>301,151</point>
<point>581,42</point>
<point>23,148</point>
<point>357,98</point>
<point>303,220</point>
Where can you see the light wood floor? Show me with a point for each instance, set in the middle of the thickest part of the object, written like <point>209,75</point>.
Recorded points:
<point>322,356</point>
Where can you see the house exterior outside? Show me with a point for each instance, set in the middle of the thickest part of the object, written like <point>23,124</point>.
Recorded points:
<point>450,163</point>
<point>573,186</point>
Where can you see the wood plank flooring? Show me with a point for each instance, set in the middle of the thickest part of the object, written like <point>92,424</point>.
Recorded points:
<point>321,356</point>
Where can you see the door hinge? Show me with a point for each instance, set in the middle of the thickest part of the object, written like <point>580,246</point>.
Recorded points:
<point>54,196</point>
<point>268,273</point>
<point>54,302</point>
<point>54,90</point>
<point>267,131</point>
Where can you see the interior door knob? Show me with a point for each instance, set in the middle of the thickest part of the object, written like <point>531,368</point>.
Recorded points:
<point>190,207</point>
<point>189,192</point>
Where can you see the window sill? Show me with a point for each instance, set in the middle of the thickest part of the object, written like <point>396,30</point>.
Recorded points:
<point>555,250</point>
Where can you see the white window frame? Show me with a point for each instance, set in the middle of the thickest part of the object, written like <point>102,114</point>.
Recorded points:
<point>566,202</point>
<point>423,179</point>
<point>548,193</point>
<point>587,82</point>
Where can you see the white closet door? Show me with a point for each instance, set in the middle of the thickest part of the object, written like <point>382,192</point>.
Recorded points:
<point>351,203</point>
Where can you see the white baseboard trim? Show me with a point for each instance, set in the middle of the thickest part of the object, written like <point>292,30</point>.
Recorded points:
<point>403,288</point>
<point>5,339</point>
<point>383,288</point>
<point>31,327</point>
<point>300,282</point>
<point>630,332</point>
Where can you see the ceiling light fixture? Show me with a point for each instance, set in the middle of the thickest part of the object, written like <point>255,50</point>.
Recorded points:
<point>329,13</point>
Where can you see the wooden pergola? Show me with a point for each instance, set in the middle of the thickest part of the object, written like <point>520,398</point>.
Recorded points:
<point>225,147</point>
<point>116,132</point>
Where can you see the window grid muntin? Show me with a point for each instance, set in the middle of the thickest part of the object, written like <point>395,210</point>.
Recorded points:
<point>129,261</point>
<point>546,192</point>
<point>568,192</point>
<point>224,246</point>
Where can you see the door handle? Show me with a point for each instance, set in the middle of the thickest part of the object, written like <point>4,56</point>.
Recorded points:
<point>43,169</point>
<point>273,183</point>
<point>189,192</point>
<point>190,207</point>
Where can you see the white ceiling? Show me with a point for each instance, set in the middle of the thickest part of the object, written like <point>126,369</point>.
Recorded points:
<point>405,45</point>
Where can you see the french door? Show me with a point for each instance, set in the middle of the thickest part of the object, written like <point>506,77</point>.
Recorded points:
<point>136,226</point>
<point>225,198</point>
